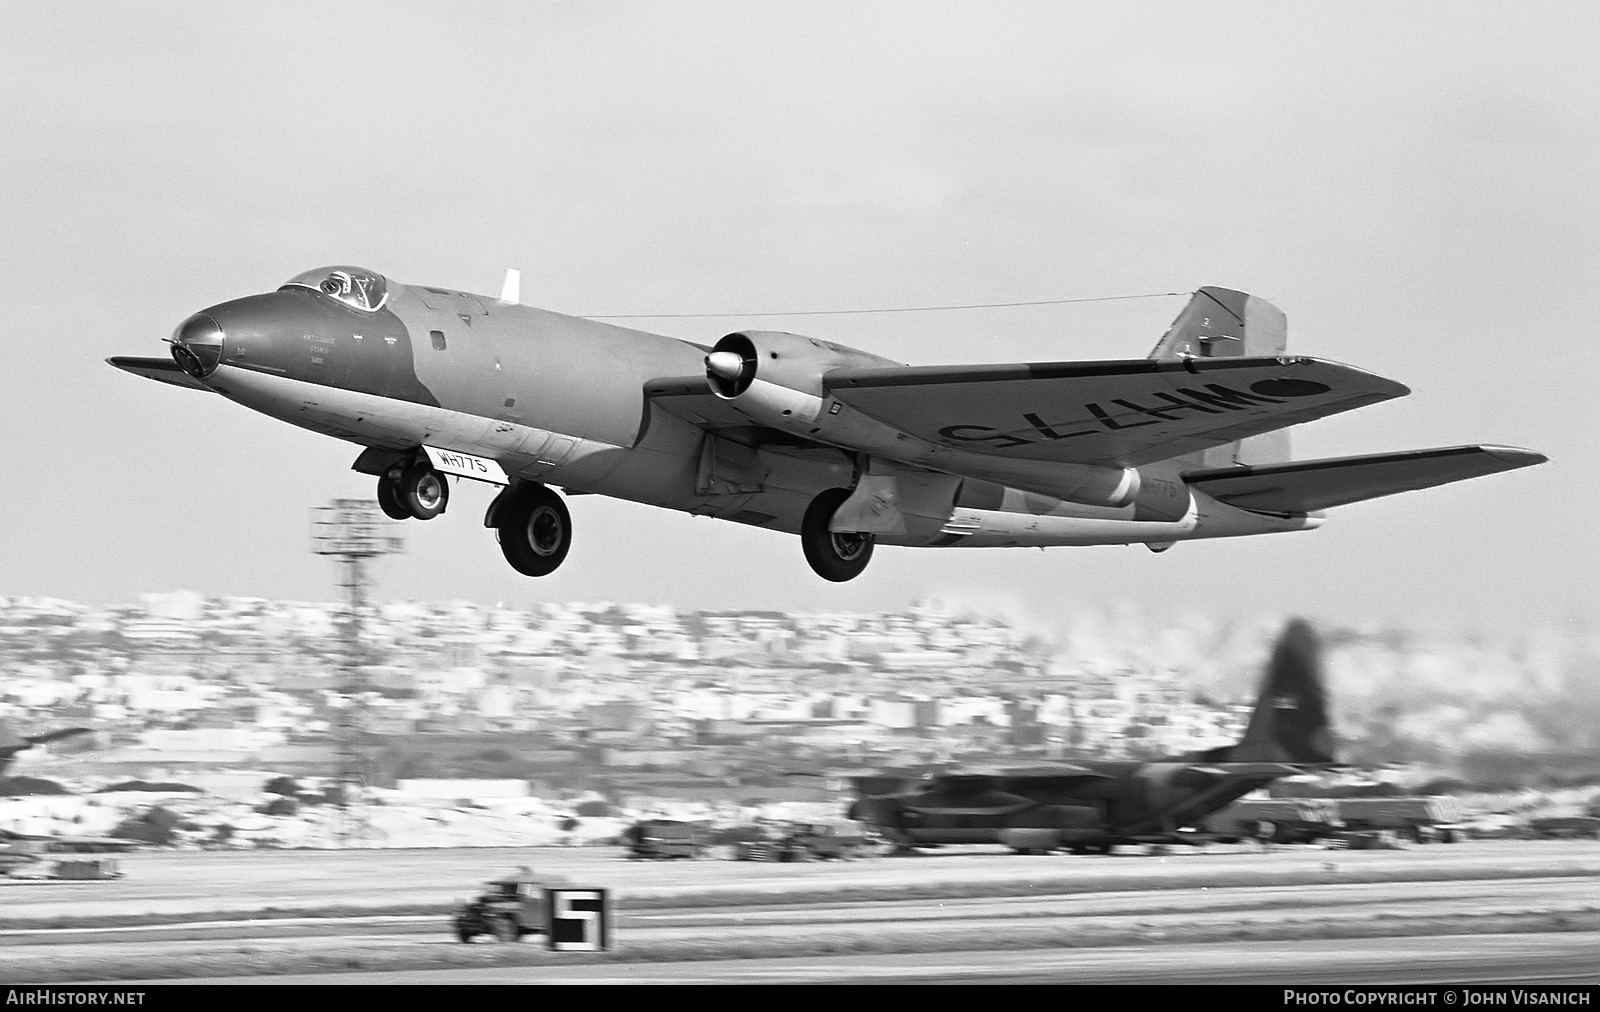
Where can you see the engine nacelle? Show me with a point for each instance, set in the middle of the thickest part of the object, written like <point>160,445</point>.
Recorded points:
<point>776,378</point>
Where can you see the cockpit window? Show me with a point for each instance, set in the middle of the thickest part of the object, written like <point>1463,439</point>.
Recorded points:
<point>354,286</point>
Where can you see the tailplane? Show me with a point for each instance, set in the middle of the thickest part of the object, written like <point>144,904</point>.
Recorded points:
<point>1222,323</point>
<point>1290,722</point>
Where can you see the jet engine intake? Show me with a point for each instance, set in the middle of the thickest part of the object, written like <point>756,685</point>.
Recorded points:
<point>777,377</point>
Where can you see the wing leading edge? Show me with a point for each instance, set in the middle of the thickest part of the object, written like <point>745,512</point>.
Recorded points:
<point>1114,414</point>
<point>1307,486</point>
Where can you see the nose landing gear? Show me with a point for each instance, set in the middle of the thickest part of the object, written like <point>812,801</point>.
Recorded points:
<point>417,491</point>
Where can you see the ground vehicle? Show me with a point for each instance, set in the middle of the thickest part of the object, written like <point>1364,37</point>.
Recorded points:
<point>812,841</point>
<point>665,838</point>
<point>508,908</point>
<point>86,870</point>
<point>1419,819</point>
<point>1569,827</point>
<point>827,840</point>
<point>1273,820</point>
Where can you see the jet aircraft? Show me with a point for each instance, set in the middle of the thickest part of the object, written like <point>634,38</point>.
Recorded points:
<point>845,448</point>
<point>1094,806</point>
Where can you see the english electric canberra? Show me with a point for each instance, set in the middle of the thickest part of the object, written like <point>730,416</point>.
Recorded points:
<point>840,446</point>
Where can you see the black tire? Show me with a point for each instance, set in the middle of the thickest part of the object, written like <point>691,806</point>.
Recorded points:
<point>465,935</point>
<point>422,491</point>
<point>389,500</point>
<point>535,531</point>
<point>834,557</point>
<point>505,929</point>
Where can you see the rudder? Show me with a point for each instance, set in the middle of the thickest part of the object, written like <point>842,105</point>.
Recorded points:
<point>1290,722</point>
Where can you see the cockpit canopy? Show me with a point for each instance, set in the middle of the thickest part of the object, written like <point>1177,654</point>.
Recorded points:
<point>356,287</point>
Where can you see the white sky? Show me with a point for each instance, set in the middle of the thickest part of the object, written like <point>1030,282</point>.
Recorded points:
<point>1414,184</point>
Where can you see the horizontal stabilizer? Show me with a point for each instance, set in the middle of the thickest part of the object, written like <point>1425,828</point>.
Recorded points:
<point>163,370</point>
<point>1307,486</point>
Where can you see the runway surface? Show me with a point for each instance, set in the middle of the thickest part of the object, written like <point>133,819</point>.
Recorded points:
<point>1453,960</point>
<point>183,883</point>
<point>382,915</point>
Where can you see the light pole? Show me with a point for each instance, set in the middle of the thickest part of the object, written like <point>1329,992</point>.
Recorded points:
<point>354,531</point>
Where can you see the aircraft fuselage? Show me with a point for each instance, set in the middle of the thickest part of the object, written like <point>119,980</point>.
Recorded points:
<point>562,401</point>
<point>796,434</point>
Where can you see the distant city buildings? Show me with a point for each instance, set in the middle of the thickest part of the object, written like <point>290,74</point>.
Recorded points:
<point>184,682</point>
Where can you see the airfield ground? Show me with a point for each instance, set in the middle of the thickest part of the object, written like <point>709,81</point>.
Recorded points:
<point>215,914</point>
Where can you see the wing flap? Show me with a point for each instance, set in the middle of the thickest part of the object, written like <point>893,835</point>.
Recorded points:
<point>1311,485</point>
<point>1115,414</point>
<point>162,370</point>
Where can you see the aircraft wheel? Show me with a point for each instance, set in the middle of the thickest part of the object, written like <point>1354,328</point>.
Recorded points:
<point>422,491</point>
<point>535,531</point>
<point>834,556</point>
<point>389,500</point>
<point>505,929</point>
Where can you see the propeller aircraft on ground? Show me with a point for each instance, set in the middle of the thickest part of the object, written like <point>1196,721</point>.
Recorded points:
<point>1094,806</point>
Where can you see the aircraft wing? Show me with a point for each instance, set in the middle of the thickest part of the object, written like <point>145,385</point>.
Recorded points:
<point>1221,784</point>
<point>163,370</point>
<point>1119,413</point>
<point>1306,486</point>
<point>690,398</point>
<point>1217,773</point>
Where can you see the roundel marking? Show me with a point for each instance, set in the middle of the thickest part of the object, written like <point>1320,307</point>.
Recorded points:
<point>1289,388</point>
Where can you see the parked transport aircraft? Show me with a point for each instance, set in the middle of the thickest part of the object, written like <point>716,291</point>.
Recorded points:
<point>840,446</point>
<point>1096,805</point>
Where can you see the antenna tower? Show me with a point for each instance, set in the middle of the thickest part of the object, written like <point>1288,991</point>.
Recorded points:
<point>354,531</point>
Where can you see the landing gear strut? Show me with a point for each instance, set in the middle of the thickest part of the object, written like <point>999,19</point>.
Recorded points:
<point>535,530</point>
<point>834,556</point>
<point>417,491</point>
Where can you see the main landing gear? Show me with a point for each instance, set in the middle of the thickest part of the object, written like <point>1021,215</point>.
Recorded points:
<point>413,492</point>
<point>534,528</point>
<point>836,556</point>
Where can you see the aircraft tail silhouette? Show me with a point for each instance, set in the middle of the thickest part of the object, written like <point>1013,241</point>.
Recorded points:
<point>1222,323</point>
<point>1290,722</point>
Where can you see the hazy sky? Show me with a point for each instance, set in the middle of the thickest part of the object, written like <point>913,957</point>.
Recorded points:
<point>1416,185</point>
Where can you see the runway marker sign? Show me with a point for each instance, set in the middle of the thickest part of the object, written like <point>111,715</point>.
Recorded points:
<point>580,919</point>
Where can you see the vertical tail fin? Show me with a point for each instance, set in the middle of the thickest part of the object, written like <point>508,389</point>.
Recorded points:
<point>1222,323</point>
<point>1290,722</point>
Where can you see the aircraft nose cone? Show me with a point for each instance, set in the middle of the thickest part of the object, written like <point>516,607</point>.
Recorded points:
<point>197,345</point>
